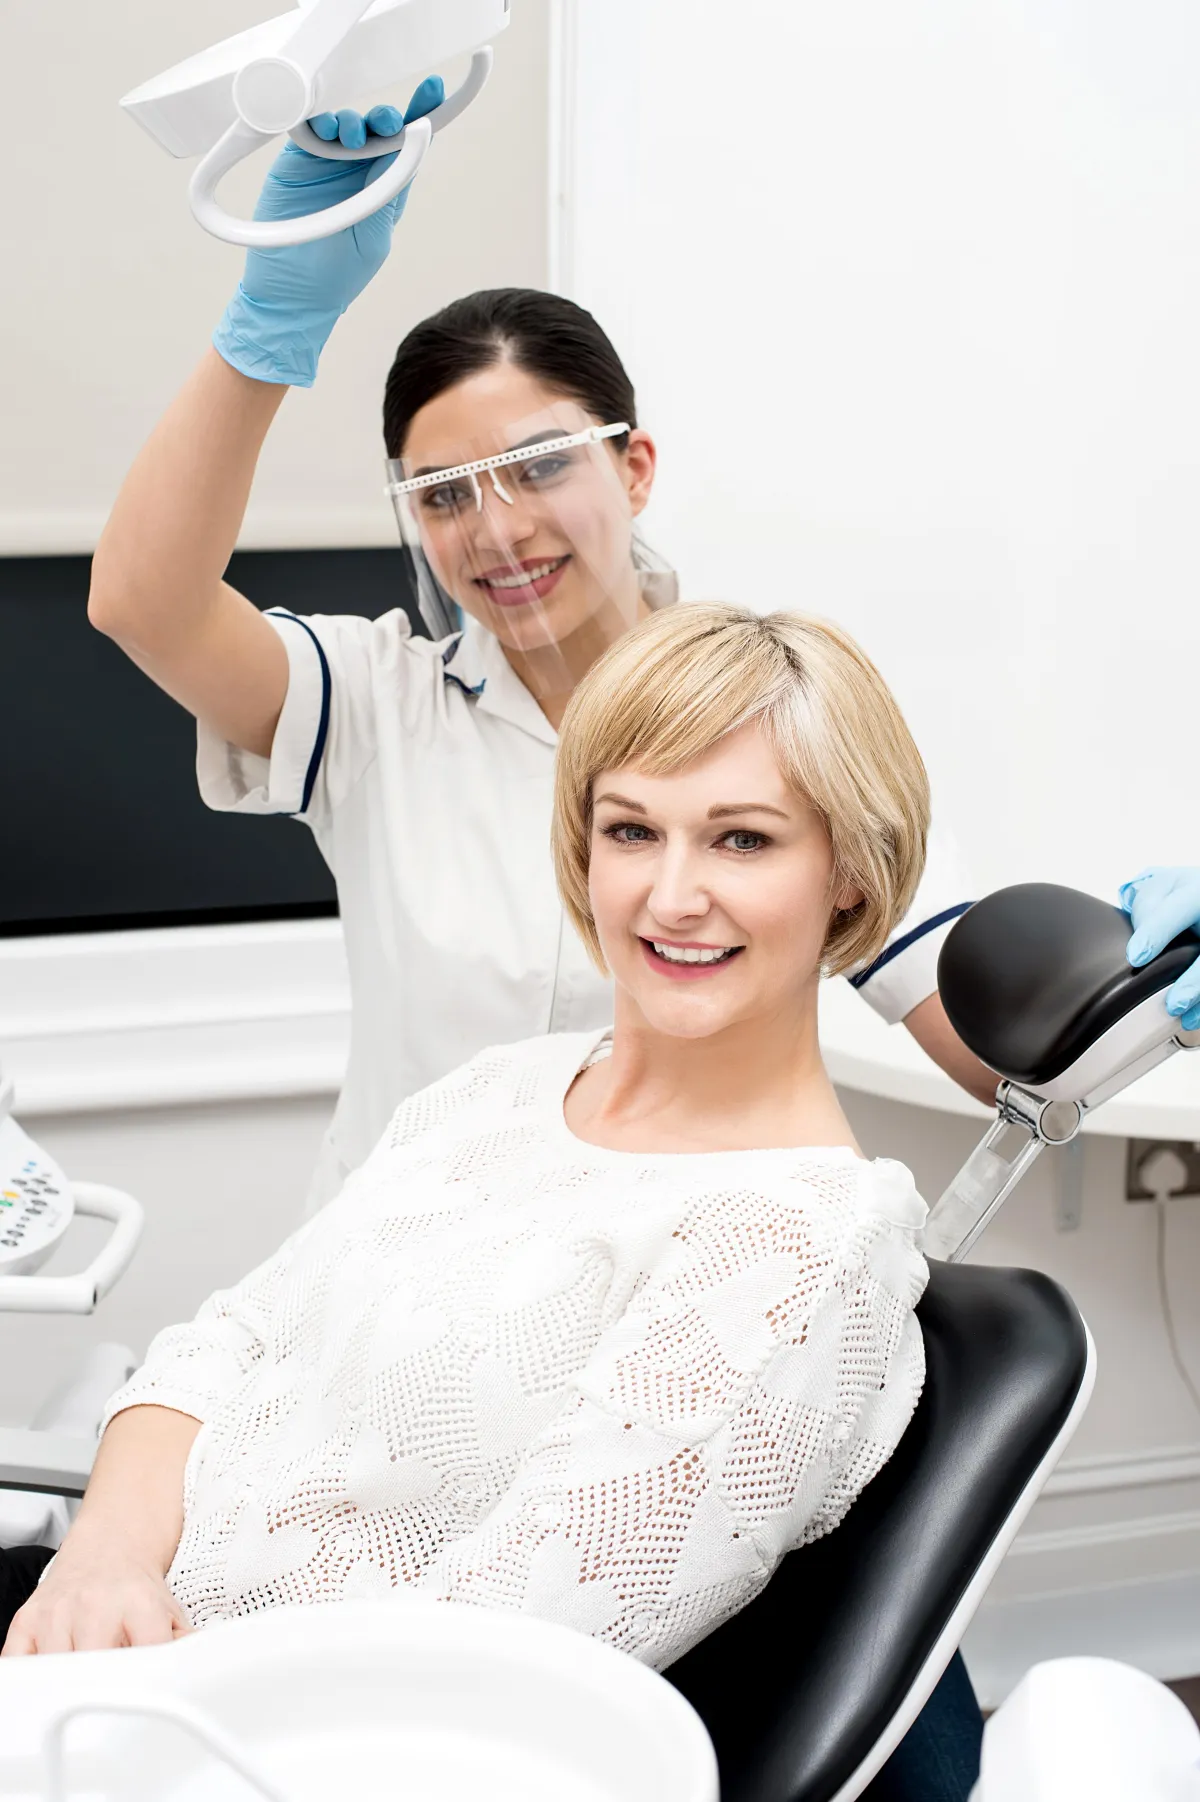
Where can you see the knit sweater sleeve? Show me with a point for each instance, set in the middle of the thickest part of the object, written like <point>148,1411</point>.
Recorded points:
<point>754,1386</point>
<point>196,1366</point>
<point>199,1365</point>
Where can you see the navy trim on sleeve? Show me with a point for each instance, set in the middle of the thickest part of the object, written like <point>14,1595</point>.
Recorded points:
<point>314,762</point>
<point>449,676</point>
<point>909,938</point>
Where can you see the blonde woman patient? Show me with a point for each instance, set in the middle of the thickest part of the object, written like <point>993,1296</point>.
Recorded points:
<point>608,1322</point>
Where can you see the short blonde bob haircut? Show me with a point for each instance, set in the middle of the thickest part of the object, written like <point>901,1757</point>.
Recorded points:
<point>668,690</point>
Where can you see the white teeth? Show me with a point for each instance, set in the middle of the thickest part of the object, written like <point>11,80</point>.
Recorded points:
<point>524,579</point>
<point>678,954</point>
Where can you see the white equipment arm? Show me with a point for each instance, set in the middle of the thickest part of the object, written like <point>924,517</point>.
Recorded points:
<point>80,1294</point>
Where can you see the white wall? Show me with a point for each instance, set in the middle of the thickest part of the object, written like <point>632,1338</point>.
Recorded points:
<point>909,293</point>
<point>111,290</point>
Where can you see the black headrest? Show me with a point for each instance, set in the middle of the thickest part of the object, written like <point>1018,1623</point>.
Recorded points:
<point>1032,975</point>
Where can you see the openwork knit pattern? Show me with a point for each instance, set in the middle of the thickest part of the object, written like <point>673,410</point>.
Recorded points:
<point>511,1369</point>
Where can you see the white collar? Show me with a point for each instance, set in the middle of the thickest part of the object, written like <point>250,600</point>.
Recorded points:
<point>476,662</point>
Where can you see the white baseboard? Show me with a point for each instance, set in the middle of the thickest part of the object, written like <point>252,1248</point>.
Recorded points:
<point>1111,1471</point>
<point>1115,1585</point>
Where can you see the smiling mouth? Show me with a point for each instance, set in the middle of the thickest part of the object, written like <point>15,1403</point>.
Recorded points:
<point>509,587</point>
<point>690,960</point>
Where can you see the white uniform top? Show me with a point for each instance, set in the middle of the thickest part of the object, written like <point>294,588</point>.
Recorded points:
<point>426,773</point>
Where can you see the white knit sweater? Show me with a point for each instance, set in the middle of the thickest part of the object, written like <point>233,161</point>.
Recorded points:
<point>510,1368</point>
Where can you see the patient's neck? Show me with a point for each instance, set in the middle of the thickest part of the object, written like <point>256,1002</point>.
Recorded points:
<point>756,1085</point>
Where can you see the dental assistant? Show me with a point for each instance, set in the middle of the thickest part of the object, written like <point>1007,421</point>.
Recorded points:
<point>424,767</point>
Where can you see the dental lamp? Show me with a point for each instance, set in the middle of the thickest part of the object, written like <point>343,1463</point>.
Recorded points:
<point>229,100</point>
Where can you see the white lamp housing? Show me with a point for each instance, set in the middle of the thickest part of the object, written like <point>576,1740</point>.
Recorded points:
<point>226,102</point>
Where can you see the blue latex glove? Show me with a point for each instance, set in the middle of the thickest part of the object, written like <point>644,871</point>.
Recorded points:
<point>1162,903</point>
<point>289,299</point>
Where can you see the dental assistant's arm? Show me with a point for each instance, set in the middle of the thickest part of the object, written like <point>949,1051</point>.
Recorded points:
<point>107,1586</point>
<point>157,586</point>
<point>937,1038</point>
<point>156,575</point>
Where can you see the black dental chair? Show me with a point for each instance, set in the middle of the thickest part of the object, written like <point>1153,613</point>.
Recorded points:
<point>809,1690</point>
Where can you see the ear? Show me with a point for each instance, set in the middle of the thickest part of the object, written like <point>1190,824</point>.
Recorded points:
<point>847,898</point>
<point>641,462</point>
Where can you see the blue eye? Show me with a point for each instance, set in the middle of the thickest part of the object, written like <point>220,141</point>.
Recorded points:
<point>744,841</point>
<point>447,497</point>
<point>616,833</point>
<point>541,470</point>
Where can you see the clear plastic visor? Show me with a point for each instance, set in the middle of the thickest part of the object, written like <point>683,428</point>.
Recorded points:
<point>531,534</point>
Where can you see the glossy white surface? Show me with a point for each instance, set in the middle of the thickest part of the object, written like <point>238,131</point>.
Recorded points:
<point>379,1699</point>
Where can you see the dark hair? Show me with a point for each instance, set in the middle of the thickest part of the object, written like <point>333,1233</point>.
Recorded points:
<point>543,334</point>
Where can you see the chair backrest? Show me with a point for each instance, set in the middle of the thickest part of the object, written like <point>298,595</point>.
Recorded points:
<point>800,1689</point>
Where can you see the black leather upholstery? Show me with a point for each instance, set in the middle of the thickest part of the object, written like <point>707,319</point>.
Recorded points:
<point>1032,975</point>
<point>799,1687</point>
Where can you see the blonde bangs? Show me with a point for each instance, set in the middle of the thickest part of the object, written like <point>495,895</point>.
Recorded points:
<point>673,687</point>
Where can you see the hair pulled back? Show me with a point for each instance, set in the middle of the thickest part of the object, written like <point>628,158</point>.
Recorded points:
<point>548,337</point>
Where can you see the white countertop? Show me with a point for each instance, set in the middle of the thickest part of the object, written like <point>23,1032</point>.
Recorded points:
<point>93,1022</point>
<point>863,1053</point>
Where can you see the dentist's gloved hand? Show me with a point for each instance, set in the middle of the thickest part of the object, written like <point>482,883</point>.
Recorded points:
<point>1161,903</point>
<point>289,299</point>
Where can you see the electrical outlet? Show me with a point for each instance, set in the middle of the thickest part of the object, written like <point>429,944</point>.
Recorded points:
<point>1138,1155</point>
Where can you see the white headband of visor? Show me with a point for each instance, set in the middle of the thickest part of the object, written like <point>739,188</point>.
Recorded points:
<point>526,453</point>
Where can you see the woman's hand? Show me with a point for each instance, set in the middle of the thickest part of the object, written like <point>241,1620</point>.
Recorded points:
<point>107,1586</point>
<point>93,1597</point>
<point>1162,903</point>
<point>290,298</point>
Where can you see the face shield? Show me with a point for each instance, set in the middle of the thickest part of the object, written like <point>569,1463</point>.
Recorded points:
<point>530,531</point>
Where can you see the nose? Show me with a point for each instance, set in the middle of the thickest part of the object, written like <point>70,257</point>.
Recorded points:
<point>678,895</point>
<point>504,519</point>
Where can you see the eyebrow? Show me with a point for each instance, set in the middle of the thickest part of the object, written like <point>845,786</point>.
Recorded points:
<point>714,813</point>
<point>433,469</point>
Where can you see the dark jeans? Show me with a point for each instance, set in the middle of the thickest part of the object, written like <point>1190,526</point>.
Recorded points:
<point>937,1761</point>
<point>938,1758</point>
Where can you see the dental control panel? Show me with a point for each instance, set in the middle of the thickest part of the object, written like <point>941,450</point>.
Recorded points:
<point>36,1205</point>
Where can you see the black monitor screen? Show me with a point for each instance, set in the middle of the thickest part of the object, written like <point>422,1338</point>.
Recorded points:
<point>100,820</point>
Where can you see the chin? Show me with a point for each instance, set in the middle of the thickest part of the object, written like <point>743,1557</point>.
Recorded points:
<point>535,631</point>
<point>684,1022</point>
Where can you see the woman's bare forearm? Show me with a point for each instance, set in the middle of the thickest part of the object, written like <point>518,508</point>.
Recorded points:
<point>134,1498</point>
<point>157,572</point>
